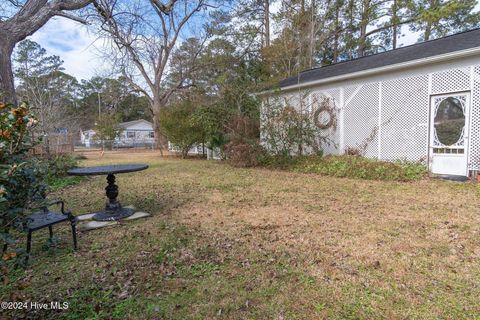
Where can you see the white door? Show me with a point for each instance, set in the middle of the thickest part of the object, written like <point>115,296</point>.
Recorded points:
<point>449,119</point>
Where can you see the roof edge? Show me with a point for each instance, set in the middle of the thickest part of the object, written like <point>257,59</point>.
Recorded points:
<point>368,72</point>
<point>135,121</point>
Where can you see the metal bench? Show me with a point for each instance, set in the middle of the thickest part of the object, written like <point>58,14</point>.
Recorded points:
<point>46,218</point>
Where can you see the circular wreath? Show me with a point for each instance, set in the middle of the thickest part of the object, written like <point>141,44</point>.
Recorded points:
<point>331,113</point>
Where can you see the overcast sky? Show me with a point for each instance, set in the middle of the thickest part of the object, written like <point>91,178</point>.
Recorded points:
<point>78,47</point>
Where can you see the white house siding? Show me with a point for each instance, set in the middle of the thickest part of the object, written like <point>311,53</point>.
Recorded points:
<point>404,119</point>
<point>395,106</point>
<point>140,125</point>
<point>333,147</point>
<point>212,154</point>
<point>140,132</point>
<point>361,117</point>
<point>474,151</point>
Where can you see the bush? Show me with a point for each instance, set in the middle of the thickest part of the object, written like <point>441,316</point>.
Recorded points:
<point>291,130</point>
<point>212,119</point>
<point>243,148</point>
<point>22,178</point>
<point>281,161</point>
<point>244,154</point>
<point>361,168</point>
<point>107,130</point>
<point>58,165</point>
<point>177,124</point>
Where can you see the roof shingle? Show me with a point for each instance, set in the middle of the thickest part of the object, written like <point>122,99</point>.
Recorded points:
<point>456,42</point>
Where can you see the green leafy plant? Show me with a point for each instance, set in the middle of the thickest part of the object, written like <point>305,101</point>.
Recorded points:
<point>107,129</point>
<point>288,130</point>
<point>213,120</point>
<point>178,125</point>
<point>22,178</point>
<point>243,148</point>
<point>58,165</point>
<point>352,166</point>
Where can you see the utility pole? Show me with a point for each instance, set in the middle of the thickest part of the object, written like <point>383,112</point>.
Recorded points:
<point>99,121</point>
<point>99,105</point>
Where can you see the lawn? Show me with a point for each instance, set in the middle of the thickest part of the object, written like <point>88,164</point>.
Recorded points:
<point>227,243</point>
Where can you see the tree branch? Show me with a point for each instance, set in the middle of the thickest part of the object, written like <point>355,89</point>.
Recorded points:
<point>71,17</point>
<point>35,13</point>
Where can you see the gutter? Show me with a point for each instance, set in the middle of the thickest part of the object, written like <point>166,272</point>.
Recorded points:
<point>368,72</point>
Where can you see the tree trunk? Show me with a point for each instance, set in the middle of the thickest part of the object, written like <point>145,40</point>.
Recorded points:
<point>395,24</point>
<point>311,40</point>
<point>156,133</point>
<point>336,33</point>
<point>185,152</point>
<point>362,43</point>
<point>267,22</point>
<point>428,31</point>
<point>7,87</point>
<point>432,5</point>
<point>160,141</point>
<point>351,28</point>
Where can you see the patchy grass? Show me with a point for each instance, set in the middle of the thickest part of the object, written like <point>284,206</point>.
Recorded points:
<point>58,183</point>
<point>357,167</point>
<point>231,243</point>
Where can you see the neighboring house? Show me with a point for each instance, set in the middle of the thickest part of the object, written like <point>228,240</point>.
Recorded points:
<point>212,154</point>
<point>137,133</point>
<point>417,103</point>
<point>86,137</point>
<point>62,131</point>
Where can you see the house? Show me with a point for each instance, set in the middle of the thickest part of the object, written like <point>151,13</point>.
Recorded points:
<point>86,137</point>
<point>418,103</point>
<point>198,149</point>
<point>137,133</point>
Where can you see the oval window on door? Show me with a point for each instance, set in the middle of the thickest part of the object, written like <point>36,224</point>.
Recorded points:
<point>449,121</point>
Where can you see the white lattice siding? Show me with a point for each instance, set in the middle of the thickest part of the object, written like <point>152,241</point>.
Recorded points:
<point>361,119</point>
<point>332,134</point>
<point>404,119</point>
<point>451,80</point>
<point>474,144</point>
<point>387,115</point>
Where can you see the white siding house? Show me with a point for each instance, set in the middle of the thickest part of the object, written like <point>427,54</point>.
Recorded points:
<point>419,103</point>
<point>137,133</point>
<point>211,154</point>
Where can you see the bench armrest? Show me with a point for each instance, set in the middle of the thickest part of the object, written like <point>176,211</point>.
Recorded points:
<point>56,202</point>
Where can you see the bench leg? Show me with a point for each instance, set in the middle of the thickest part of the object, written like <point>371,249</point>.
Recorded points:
<point>74,234</point>
<point>29,245</point>
<point>5,246</point>
<point>50,230</point>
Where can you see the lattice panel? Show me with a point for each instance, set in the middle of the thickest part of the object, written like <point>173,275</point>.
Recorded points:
<point>350,91</point>
<point>332,134</point>
<point>451,80</point>
<point>404,119</point>
<point>361,119</point>
<point>292,100</point>
<point>474,142</point>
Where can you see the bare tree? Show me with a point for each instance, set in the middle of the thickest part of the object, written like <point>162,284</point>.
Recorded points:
<point>266,18</point>
<point>26,18</point>
<point>144,34</point>
<point>50,92</point>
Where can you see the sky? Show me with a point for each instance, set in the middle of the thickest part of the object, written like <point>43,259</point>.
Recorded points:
<point>79,48</point>
<point>75,45</point>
